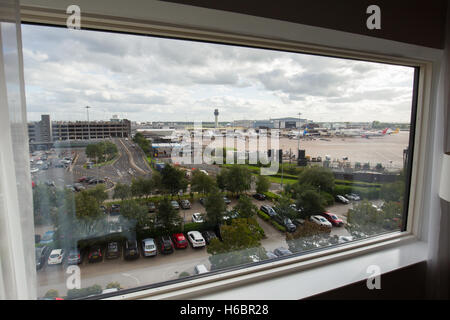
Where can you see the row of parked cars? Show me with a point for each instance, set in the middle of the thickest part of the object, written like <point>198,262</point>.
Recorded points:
<point>130,248</point>
<point>326,219</point>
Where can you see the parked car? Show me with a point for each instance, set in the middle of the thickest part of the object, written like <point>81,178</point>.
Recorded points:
<point>268,210</point>
<point>115,210</point>
<point>56,257</point>
<point>321,221</point>
<point>202,201</point>
<point>209,235</point>
<point>74,257</point>
<point>352,196</point>
<point>149,247</point>
<point>271,255</point>
<point>185,204</point>
<point>47,237</point>
<point>259,196</point>
<point>112,250</point>
<point>175,204</point>
<point>78,187</point>
<point>82,179</point>
<point>96,181</point>
<point>41,255</point>
<point>197,217</point>
<point>342,199</point>
<point>165,244</point>
<point>131,250</point>
<point>50,183</point>
<point>279,252</point>
<point>196,239</point>
<point>95,254</point>
<point>199,269</point>
<point>290,227</point>
<point>333,219</point>
<point>179,241</point>
<point>226,200</point>
<point>151,207</point>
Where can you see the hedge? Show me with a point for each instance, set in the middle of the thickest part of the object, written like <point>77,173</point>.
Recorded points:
<point>268,219</point>
<point>271,196</point>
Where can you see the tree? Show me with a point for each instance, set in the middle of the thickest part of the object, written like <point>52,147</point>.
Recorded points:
<point>311,203</point>
<point>122,191</point>
<point>137,187</point>
<point>262,184</point>
<point>215,207</point>
<point>245,207</point>
<point>318,177</point>
<point>221,180</point>
<point>167,216</point>
<point>366,220</point>
<point>236,179</point>
<point>283,208</point>
<point>309,236</point>
<point>393,191</point>
<point>201,182</point>
<point>52,293</point>
<point>173,180</point>
<point>241,244</point>
<point>99,193</point>
<point>136,214</point>
<point>87,207</point>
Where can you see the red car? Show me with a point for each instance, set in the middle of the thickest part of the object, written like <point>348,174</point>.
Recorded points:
<point>179,241</point>
<point>82,179</point>
<point>335,221</point>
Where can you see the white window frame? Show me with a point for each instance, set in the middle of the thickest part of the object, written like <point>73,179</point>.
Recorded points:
<point>174,20</point>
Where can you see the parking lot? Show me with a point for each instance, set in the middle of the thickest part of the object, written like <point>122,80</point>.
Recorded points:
<point>150,270</point>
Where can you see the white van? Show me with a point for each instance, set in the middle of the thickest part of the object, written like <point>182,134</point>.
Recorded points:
<point>199,269</point>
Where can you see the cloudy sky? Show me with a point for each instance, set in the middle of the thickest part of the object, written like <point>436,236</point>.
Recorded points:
<point>155,79</point>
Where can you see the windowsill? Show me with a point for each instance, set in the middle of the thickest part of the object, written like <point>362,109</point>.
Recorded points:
<point>298,280</point>
<point>310,282</point>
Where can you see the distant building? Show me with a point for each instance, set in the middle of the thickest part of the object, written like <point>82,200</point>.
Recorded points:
<point>288,123</point>
<point>244,123</point>
<point>42,134</point>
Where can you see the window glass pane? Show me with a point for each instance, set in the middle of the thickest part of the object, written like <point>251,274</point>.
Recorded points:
<point>157,159</point>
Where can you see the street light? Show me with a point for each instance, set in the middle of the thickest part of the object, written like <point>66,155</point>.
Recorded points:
<point>298,145</point>
<point>89,127</point>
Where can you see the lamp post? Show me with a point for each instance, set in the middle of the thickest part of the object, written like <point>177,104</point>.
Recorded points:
<point>298,144</point>
<point>89,127</point>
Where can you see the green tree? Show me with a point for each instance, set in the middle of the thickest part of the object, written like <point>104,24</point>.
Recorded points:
<point>318,177</point>
<point>283,208</point>
<point>87,207</point>
<point>137,187</point>
<point>122,191</point>
<point>393,191</point>
<point>311,203</point>
<point>237,179</point>
<point>365,220</point>
<point>201,182</point>
<point>52,293</point>
<point>262,184</point>
<point>99,193</point>
<point>173,180</point>
<point>215,207</point>
<point>167,216</point>
<point>245,207</point>
<point>136,215</point>
<point>241,244</point>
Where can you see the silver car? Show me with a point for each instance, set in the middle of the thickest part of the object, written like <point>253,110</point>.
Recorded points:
<point>149,247</point>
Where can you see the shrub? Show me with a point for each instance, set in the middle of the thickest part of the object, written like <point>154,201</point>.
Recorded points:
<point>263,215</point>
<point>52,293</point>
<point>84,292</point>
<point>112,285</point>
<point>184,274</point>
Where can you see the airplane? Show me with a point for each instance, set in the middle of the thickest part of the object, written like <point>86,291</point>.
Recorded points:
<point>373,134</point>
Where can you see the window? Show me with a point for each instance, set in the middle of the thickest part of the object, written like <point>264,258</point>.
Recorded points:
<point>294,153</point>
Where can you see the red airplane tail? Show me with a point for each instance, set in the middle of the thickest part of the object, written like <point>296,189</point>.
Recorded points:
<point>384,131</point>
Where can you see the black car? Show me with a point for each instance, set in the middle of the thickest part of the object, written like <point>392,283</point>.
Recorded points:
<point>112,250</point>
<point>96,181</point>
<point>259,196</point>
<point>151,207</point>
<point>209,235</point>
<point>185,204</point>
<point>202,201</point>
<point>131,250</point>
<point>41,255</point>
<point>268,210</point>
<point>95,254</point>
<point>165,244</point>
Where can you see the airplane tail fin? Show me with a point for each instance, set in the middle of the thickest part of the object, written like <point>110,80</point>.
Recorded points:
<point>397,130</point>
<point>384,131</point>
